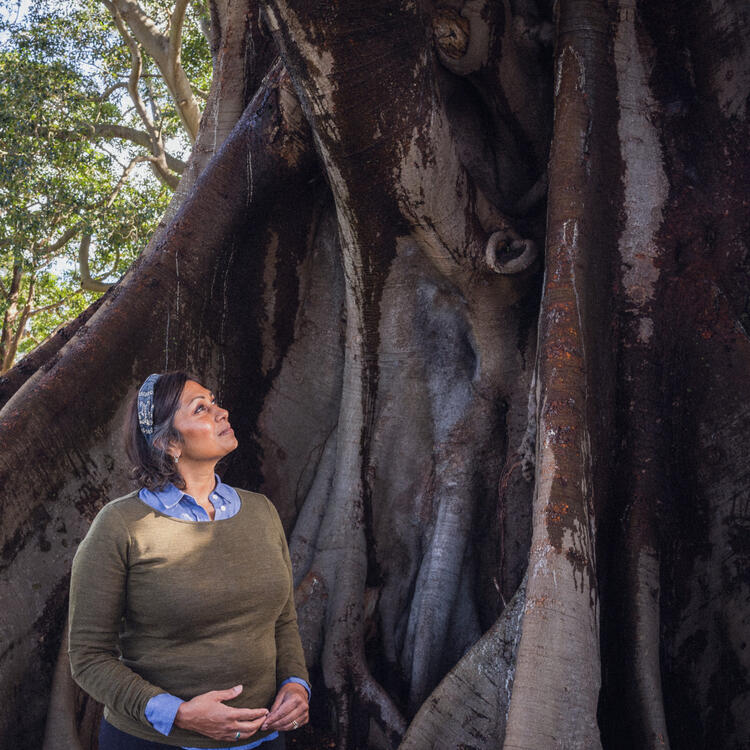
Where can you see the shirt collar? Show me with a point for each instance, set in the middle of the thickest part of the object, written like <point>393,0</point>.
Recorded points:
<point>224,491</point>
<point>170,495</point>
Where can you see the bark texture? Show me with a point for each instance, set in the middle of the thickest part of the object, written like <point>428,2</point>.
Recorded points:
<point>472,279</point>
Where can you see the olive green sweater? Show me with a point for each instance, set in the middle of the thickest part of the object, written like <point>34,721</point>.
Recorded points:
<point>158,604</point>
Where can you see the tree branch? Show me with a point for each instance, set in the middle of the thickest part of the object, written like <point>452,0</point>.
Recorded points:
<point>199,92</point>
<point>159,160</point>
<point>136,66</point>
<point>158,46</point>
<point>115,263</point>
<point>143,27</point>
<point>203,19</point>
<point>87,282</point>
<point>123,178</point>
<point>54,305</point>
<point>63,240</point>
<point>93,130</point>
<point>9,336</point>
<point>162,173</point>
<point>111,89</point>
<point>139,137</point>
<point>175,35</point>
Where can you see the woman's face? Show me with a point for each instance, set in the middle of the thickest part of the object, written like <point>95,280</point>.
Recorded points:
<point>203,425</point>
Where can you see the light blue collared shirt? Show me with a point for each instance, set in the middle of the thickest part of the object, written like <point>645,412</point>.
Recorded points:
<point>172,501</point>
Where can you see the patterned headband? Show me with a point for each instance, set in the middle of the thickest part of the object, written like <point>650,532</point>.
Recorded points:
<point>146,407</point>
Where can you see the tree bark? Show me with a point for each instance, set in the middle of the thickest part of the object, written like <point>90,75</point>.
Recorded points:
<point>557,677</point>
<point>473,281</point>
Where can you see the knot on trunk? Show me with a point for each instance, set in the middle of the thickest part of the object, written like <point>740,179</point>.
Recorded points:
<point>507,253</point>
<point>451,32</point>
<point>462,38</point>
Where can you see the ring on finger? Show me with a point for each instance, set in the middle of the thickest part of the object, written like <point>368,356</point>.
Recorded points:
<point>295,724</point>
<point>237,735</point>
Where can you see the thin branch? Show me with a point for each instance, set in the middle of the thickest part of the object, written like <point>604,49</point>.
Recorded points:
<point>139,137</point>
<point>155,110</point>
<point>29,296</point>
<point>123,179</point>
<point>203,18</point>
<point>63,240</point>
<point>199,92</point>
<point>55,305</point>
<point>112,155</point>
<point>13,340</point>
<point>111,89</point>
<point>115,263</point>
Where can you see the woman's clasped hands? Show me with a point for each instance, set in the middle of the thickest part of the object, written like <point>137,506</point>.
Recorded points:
<point>208,715</point>
<point>290,710</point>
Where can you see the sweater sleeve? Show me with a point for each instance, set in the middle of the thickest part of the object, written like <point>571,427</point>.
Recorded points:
<point>97,604</point>
<point>290,658</point>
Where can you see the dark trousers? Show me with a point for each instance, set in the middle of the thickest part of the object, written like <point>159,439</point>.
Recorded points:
<point>112,738</point>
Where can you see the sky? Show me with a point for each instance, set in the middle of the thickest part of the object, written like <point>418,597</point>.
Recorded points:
<point>12,10</point>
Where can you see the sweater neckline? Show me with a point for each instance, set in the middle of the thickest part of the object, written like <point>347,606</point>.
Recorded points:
<point>190,521</point>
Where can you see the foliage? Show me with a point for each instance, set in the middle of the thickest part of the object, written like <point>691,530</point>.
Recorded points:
<point>75,152</point>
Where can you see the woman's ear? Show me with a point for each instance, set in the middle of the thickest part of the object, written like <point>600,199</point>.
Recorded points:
<point>170,447</point>
<point>174,449</point>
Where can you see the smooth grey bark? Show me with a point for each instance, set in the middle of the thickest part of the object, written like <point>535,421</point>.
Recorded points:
<point>470,705</point>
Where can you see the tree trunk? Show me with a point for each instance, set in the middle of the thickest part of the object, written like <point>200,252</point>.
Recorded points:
<point>9,330</point>
<point>499,406</point>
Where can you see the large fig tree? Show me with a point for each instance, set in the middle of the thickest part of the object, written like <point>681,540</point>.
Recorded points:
<point>472,279</point>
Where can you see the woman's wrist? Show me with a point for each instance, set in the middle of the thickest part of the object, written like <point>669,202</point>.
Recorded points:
<point>183,716</point>
<point>161,711</point>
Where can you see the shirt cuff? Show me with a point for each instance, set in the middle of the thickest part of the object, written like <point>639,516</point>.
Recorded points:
<point>298,680</point>
<point>161,711</point>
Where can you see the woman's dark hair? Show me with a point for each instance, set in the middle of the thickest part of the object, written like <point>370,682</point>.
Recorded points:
<point>153,467</point>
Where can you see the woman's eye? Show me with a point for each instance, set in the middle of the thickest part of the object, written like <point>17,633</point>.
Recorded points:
<point>203,406</point>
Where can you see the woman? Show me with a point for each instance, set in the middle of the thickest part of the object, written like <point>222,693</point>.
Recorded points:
<point>182,619</point>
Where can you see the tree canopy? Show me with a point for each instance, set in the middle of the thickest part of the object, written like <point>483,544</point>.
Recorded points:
<point>91,135</point>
